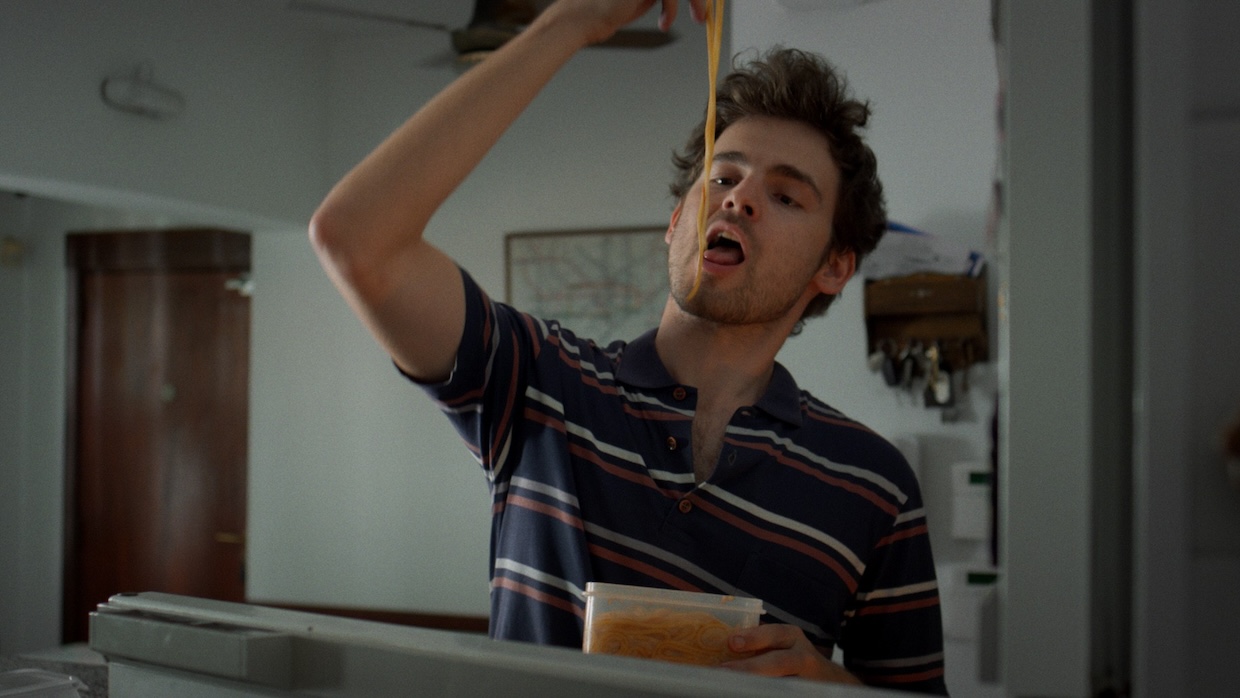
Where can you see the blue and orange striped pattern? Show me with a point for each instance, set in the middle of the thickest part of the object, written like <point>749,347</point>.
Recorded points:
<point>588,454</point>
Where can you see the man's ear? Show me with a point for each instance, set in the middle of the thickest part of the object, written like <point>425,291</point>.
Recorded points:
<point>836,271</point>
<point>667,237</point>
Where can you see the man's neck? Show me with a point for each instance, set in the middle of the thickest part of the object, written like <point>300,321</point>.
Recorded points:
<point>727,364</point>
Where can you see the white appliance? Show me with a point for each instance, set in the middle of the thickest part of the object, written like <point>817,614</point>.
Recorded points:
<point>160,645</point>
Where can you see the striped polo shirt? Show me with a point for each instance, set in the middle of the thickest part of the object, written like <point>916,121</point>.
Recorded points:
<point>589,458</point>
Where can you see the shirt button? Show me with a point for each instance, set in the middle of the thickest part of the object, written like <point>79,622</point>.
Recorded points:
<point>685,506</point>
<point>679,393</point>
<point>671,443</point>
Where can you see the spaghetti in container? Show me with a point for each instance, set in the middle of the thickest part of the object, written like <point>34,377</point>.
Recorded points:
<point>674,626</point>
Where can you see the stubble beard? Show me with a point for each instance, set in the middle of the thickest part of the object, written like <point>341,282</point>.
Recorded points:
<point>754,301</point>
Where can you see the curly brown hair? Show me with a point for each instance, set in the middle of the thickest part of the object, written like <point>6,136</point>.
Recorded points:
<point>793,84</point>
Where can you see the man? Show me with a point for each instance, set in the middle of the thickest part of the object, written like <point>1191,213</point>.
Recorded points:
<point>686,458</point>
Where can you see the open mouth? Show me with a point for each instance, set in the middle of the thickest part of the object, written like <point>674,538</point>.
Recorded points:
<point>722,248</point>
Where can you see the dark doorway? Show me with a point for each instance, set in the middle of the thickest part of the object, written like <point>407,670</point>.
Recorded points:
<point>157,416</point>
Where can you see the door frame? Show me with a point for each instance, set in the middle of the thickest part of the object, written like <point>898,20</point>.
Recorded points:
<point>194,248</point>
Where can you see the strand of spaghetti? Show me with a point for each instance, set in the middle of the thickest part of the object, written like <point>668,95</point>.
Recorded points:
<point>714,38</point>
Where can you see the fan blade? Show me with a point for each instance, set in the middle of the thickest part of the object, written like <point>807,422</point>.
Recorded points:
<point>482,37</point>
<point>447,58</point>
<point>506,12</point>
<point>353,13</point>
<point>638,38</point>
<point>494,22</point>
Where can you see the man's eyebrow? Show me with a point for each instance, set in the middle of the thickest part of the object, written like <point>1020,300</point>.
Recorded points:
<point>782,169</point>
<point>734,156</point>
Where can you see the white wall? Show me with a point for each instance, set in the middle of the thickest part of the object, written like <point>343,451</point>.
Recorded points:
<point>360,494</point>
<point>930,72</point>
<point>248,142</point>
<point>935,143</point>
<point>32,399</point>
<point>365,494</point>
<point>645,109</point>
<point>276,114</point>
<point>247,153</point>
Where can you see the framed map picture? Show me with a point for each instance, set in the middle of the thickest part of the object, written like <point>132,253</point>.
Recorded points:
<point>601,284</point>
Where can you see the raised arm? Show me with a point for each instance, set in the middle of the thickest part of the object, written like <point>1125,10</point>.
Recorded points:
<point>368,231</point>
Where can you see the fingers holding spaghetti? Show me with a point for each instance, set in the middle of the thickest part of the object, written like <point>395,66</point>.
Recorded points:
<point>670,8</point>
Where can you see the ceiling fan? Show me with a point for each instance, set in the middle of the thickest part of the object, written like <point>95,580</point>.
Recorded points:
<point>493,23</point>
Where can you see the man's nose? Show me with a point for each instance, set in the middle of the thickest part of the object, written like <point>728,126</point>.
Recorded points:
<point>740,200</point>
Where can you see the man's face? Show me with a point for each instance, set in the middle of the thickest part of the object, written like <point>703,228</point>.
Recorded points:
<point>773,186</point>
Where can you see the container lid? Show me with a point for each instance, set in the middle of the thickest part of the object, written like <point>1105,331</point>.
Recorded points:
<point>673,596</point>
<point>36,683</point>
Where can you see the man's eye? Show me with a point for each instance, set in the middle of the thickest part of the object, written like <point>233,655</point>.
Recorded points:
<point>722,181</point>
<point>786,200</point>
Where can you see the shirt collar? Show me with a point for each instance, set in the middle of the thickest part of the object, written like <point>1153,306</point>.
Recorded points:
<point>641,367</point>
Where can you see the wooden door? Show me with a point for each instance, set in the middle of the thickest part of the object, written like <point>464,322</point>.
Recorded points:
<point>157,417</point>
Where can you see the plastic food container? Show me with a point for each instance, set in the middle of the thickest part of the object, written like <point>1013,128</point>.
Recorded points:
<point>675,626</point>
<point>36,683</point>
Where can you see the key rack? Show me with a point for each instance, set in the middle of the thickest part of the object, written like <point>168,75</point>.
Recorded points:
<point>943,310</point>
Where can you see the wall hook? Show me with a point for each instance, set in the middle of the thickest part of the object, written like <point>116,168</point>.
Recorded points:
<point>137,92</point>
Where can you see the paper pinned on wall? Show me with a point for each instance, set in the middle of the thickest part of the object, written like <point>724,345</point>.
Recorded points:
<point>905,250</point>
